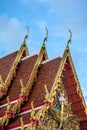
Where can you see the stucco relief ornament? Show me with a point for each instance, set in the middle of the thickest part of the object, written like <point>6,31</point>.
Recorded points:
<point>24,92</point>
<point>8,104</point>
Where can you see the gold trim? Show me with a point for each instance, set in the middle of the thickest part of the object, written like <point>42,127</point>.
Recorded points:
<point>50,96</point>
<point>33,110</point>
<point>41,112</point>
<point>12,72</point>
<point>57,79</point>
<point>79,91</point>
<point>8,104</point>
<point>59,73</point>
<point>49,116</point>
<point>33,74</point>
<point>47,95</point>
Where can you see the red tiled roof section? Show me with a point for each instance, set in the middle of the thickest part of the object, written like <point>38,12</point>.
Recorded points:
<point>16,122</point>
<point>71,89</point>
<point>6,63</point>
<point>46,75</point>
<point>23,73</point>
<point>83,125</point>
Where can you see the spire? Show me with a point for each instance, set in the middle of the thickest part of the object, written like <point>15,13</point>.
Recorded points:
<point>46,37</point>
<point>23,45</point>
<point>69,41</point>
<point>26,36</point>
<point>70,38</point>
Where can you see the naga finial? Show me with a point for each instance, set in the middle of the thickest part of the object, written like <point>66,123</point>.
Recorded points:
<point>23,88</point>
<point>70,38</point>
<point>27,33</point>
<point>33,110</point>
<point>8,104</point>
<point>0,81</point>
<point>2,84</point>
<point>46,37</point>
<point>21,83</point>
<point>47,93</point>
<point>22,123</point>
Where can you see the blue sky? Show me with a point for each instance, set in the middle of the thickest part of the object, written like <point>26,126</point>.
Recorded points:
<point>58,16</point>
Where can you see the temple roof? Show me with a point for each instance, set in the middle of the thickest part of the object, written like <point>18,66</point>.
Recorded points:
<point>34,74</point>
<point>45,71</point>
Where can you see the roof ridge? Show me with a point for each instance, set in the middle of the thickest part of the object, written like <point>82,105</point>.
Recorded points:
<point>29,56</point>
<point>8,54</point>
<point>48,60</point>
<point>59,72</point>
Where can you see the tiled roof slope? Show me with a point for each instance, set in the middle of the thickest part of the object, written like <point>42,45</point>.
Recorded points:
<point>6,63</point>
<point>8,67</point>
<point>23,73</point>
<point>46,75</point>
<point>74,97</point>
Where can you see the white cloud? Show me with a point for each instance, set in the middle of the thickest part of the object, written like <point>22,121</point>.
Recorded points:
<point>11,33</point>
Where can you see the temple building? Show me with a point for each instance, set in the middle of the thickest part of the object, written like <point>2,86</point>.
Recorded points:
<point>40,94</point>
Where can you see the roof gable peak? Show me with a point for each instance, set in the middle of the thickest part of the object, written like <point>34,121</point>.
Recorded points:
<point>43,47</point>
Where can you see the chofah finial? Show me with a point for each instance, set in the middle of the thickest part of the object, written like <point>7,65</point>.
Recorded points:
<point>70,38</point>
<point>27,33</point>
<point>46,37</point>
